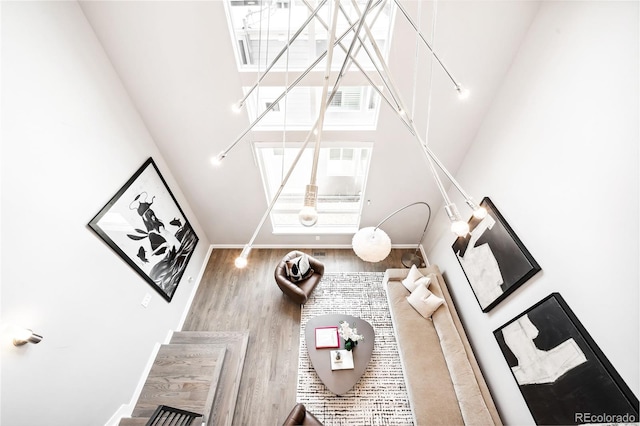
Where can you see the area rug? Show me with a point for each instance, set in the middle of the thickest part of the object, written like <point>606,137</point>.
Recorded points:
<point>380,396</point>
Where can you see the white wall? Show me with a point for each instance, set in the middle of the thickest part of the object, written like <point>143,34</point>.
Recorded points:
<point>558,155</point>
<point>70,139</point>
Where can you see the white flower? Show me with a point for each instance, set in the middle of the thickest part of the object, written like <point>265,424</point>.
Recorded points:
<point>346,332</point>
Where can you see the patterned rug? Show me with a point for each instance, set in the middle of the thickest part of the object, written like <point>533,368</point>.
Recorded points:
<point>380,396</point>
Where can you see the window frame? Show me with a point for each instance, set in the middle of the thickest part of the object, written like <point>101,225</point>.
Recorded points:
<point>296,228</point>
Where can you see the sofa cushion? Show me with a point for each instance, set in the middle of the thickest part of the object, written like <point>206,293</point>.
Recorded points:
<point>426,281</point>
<point>424,301</point>
<point>298,268</point>
<point>410,281</point>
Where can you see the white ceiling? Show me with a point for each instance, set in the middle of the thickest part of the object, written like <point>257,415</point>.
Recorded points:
<point>176,61</point>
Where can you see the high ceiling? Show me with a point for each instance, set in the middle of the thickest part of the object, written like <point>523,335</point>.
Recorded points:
<point>176,60</point>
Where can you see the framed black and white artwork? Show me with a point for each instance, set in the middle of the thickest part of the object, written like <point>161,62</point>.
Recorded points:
<point>563,375</point>
<point>493,258</point>
<point>144,224</point>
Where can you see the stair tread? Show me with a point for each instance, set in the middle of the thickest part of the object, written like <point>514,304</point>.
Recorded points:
<point>236,343</point>
<point>184,404</point>
<point>133,421</point>
<point>184,376</point>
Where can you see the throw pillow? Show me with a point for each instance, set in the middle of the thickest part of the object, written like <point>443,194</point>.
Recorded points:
<point>424,280</point>
<point>298,268</point>
<point>412,276</point>
<point>423,301</point>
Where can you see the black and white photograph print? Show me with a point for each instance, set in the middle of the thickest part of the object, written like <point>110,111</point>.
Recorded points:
<point>563,375</point>
<point>144,224</point>
<point>493,258</point>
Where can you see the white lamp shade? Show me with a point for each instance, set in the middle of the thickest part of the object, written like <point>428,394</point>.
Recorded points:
<point>371,244</point>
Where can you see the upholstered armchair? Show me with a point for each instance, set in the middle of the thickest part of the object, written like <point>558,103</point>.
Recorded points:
<point>300,416</point>
<point>298,291</point>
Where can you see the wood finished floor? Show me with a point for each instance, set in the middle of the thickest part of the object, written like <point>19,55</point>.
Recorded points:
<point>229,299</point>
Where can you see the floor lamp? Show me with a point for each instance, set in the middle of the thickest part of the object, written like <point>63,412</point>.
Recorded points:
<point>372,244</point>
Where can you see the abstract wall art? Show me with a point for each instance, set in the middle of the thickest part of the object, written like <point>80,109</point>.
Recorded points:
<point>493,258</point>
<point>563,375</point>
<point>144,224</point>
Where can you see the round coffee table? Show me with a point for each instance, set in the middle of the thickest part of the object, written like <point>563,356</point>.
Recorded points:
<point>339,381</point>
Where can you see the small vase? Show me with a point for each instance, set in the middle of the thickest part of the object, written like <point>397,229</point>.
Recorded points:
<point>350,344</point>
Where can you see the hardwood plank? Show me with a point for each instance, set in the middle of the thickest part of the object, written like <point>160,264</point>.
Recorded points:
<point>229,299</point>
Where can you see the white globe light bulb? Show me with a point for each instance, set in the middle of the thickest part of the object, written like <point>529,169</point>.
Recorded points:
<point>480,213</point>
<point>240,262</point>
<point>217,160</point>
<point>237,107</point>
<point>462,93</point>
<point>460,228</point>
<point>308,216</point>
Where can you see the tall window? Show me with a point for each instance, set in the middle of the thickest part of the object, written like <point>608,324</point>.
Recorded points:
<point>352,108</point>
<point>342,174</point>
<point>260,29</point>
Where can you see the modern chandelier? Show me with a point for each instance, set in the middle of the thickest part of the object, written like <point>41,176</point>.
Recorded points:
<point>359,26</point>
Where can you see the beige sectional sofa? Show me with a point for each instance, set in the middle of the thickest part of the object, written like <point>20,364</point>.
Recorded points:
<point>444,382</point>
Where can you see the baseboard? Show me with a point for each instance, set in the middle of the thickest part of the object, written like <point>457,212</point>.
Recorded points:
<point>125,410</point>
<point>304,246</point>
<point>194,290</point>
<point>283,246</point>
<point>424,256</point>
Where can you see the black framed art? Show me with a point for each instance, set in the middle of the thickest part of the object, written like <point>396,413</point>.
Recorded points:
<point>563,375</point>
<point>144,224</point>
<point>493,258</point>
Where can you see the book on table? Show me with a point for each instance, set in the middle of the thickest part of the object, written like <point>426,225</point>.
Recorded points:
<point>341,359</point>
<point>327,337</point>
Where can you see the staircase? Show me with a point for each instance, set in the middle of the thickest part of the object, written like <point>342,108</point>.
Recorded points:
<point>198,371</point>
